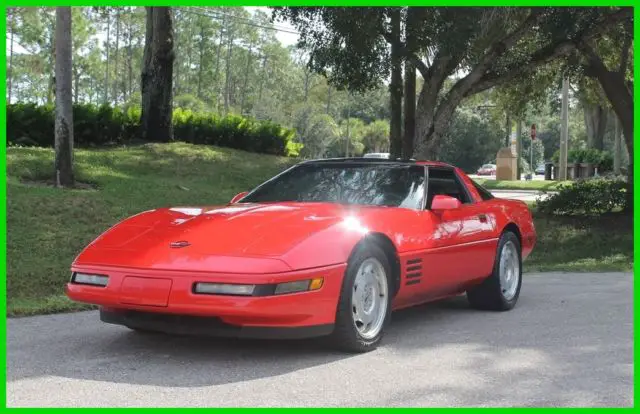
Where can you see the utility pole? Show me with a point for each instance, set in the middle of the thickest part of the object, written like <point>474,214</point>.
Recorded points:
<point>564,131</point>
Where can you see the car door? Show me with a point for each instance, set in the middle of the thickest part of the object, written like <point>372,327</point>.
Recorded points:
<point>460,248</point>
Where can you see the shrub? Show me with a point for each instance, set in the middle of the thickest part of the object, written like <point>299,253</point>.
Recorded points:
<point>586,198</point>
<point>32,125</point>
<point>603,159</point>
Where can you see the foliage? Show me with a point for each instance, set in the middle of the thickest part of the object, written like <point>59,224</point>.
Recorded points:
<point>31,125</point>
<point>602,159</point>
<point>376,136</point>
<point>471,141</point>
<point>586,197</point>
<point>493,45</point>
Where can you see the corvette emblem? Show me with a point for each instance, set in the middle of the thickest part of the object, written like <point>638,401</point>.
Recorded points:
<point>179,244</point>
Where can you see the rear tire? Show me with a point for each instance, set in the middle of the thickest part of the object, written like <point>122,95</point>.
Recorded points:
<point>364,307</point>
<point>500,291</point>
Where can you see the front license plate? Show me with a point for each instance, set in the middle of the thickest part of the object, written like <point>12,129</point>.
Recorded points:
<point>145,291</point>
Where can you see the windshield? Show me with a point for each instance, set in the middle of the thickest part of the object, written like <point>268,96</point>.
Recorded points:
<point>393,185</point>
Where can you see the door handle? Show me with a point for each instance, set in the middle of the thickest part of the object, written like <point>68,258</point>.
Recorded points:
<point>482,218</point>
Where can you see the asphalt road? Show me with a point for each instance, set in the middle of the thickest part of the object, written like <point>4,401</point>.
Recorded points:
<point>569,342</point>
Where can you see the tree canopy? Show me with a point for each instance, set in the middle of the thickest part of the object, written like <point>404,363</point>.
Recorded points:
<point>479,47</point>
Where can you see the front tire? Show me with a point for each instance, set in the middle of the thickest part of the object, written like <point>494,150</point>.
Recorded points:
<point>500,291</point>
<point>364,307</point>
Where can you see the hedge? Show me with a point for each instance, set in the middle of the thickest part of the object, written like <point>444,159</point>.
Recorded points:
<point>94,126</point>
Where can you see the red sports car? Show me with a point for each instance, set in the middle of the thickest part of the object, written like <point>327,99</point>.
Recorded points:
<point>326,248</point>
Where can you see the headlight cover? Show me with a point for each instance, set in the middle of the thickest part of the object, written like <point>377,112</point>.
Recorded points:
<point>223,289</point>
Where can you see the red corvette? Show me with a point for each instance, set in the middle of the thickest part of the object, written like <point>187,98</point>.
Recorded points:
<point>326,248</point>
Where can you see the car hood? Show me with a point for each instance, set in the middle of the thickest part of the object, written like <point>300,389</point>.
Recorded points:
<point>260,231</point>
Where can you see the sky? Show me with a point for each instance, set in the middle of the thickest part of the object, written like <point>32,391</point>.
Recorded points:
<point>285,38</point>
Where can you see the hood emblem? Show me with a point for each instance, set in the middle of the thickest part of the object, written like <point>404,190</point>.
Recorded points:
<point>179,244</point>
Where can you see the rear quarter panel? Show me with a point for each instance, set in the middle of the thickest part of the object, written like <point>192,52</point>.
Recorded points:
<point>515,212</point>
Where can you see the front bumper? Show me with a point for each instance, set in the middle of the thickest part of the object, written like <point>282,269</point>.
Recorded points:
<point>207,326</point>
<point>170,293</point>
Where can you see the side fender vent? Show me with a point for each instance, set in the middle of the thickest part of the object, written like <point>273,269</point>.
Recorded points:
<point>413,271</point>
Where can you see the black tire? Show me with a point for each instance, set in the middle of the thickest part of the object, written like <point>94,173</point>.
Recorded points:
<point>346,336</point>
<point>489,294</point>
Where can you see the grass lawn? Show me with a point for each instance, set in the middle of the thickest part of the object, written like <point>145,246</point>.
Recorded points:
<point>582,244</point>
<point>536,185</point>
<point>47,227</point>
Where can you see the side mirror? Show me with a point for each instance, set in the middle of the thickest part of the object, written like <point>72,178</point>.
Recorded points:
<point>238,197</point>
<point>443,202</point>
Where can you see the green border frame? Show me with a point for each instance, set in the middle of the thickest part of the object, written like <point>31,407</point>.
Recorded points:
<point>240,3</point>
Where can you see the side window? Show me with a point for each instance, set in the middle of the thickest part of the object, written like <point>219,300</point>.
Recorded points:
<point>443,181</point>
<point>484,193</point>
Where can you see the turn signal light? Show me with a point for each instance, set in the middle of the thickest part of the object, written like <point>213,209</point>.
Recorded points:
<point>316,283</point>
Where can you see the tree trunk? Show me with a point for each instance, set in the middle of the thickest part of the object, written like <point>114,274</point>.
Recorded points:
<point>115,62</point>
<point>307,76</point>
<point>617,147</point>
<point>264,73</point>
<point>409,109</point>
<point>157,76</point>
<point>395,88</point>
<point>64,107</point>
<point>246,80</point>
<point>106,71</point>
<point>218,85</point>
<point>200,65</point>
<point>11,12</point>
<point>595,119</point>
<point>227,88</point>
<point>51,90</point>
<point>130,55</point>
<point>76,85</point>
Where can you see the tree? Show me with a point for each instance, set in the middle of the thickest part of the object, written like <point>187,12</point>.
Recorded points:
<point>471,140</point>
<point>64,109</point>
<point>316,131</point>
<point>616,80</point>
<point>491,46</point>
<point>157,76</point>
<point>376,136</point>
